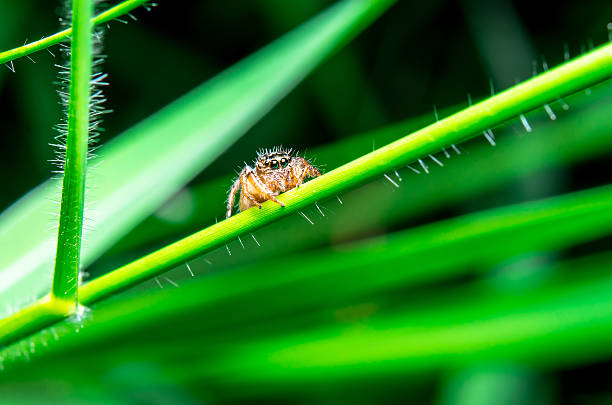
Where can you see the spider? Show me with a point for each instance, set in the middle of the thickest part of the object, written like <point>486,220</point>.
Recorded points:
<point>275,172</point>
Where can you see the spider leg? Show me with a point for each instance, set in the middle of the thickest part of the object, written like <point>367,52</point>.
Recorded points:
<point>313,171</point>
<point>252,200</point>
<point>262,188</point>
<point>304,169</point>
<point>232,195</point>
<point>245,192</point>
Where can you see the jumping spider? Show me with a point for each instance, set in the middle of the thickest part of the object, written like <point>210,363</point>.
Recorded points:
<point>276,171</point>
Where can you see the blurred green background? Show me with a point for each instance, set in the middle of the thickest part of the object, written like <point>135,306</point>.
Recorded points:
<point>414,57</point>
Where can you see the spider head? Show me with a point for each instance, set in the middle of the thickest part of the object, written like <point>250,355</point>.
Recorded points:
<point>277,159</point>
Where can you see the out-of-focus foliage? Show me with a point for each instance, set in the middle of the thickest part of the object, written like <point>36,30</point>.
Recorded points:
<point>141,168</point>
<point>522,315</point>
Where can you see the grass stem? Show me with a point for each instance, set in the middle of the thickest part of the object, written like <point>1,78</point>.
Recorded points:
<point>67,260</point>
<point>44,43</point>
<point>568,78</point>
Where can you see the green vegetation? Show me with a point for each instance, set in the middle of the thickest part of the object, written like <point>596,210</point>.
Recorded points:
<point>70,233</point>
<point>360,278</point>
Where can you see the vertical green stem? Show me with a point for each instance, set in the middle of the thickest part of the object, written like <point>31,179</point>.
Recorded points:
<point>66,272</point>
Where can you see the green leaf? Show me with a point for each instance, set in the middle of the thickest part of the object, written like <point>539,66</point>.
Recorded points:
<point>582,133</point>
<point>140,169</point>
<point>225,314</point>
<point>588,69</point>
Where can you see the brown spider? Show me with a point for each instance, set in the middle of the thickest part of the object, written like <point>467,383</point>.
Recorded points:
<point>276,171</point>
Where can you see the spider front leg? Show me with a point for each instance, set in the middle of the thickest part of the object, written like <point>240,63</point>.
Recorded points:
<point>254,192</point>
<point>252,202</point>
<point>261,189</point>
<point>272,197</point>
<point>303,169</point>
<point>232,195</point>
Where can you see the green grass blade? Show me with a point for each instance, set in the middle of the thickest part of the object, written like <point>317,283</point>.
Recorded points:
<point>583,133</point>
<point>470,327</point>
<point>229,305</point>
<point>535,328</point>
<point>67,260</point>
<point>433,250</point>
<point>436,251</point>
<point>567,78</point>
<point>142,168</point>
<point>44,43</point>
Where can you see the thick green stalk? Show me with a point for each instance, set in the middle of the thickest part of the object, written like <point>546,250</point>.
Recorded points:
<point>108,15</point>
<point>67,260</point>
<point>582,72</point>
<point>42,313</point>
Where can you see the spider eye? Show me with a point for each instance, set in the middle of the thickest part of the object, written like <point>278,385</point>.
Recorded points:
<point>274,164</point>
<point>284,162</point>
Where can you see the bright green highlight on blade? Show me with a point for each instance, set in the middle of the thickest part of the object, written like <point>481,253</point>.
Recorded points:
<point>110,14</point>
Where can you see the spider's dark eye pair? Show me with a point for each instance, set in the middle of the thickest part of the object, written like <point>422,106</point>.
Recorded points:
<point>274,163</point>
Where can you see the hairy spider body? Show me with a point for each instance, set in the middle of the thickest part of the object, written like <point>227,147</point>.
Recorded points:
<point>275,172</point>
